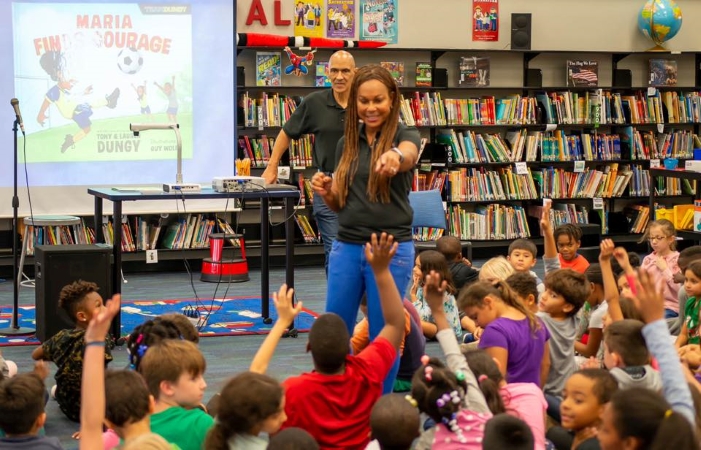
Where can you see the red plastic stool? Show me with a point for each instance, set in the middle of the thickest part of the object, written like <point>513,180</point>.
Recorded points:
<point>215,269</point>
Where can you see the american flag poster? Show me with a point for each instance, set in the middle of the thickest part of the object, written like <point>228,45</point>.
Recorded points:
<point>582,73</point>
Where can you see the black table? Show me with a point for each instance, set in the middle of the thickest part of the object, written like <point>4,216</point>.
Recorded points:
<point>289,194</point>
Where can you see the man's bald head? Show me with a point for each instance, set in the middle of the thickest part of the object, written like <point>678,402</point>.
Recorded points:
<point>341,71</point>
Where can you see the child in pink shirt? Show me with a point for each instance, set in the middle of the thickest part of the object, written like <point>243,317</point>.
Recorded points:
<point>523,400</point>
<point>662,262</point>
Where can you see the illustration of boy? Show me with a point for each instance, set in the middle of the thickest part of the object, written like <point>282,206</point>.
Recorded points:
<point>169,90</point>
<point>54,64</point>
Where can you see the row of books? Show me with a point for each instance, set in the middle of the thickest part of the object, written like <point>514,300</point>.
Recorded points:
<point>633,219</point>
<point>268,110</point>
<point>488,222</point>
<point>305,188</point>
<point>426,234</point>
<point>608,182</point>
<point>310,236</point>
<point>429,180</point>
<point>259,149</point>
<point>58,235</point>
<point>561,213</point>
<point>472,184</point>
<point>674,186</point>
<point>466,147</point>
<point>607,107</point>
<point>189,232</point>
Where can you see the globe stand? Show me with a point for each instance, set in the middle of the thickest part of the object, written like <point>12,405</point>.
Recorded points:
<point>657,48</point>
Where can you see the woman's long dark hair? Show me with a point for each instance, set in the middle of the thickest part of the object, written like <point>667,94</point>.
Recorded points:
<point>378,185</point>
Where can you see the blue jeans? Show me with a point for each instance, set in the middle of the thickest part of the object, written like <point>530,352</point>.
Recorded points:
<point>327,222</point>
<point>350,276</point>
<point>669,314</point>
<point>553,406</point>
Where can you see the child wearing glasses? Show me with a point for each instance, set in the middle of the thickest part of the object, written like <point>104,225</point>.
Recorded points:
<point>662,262</point>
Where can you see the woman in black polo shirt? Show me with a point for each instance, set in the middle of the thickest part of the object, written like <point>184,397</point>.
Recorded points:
<point>370,191</point>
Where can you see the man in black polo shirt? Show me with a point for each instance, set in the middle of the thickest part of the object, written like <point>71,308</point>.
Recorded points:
<point>322,114</point>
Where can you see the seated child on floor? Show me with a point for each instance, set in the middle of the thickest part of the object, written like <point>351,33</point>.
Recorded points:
<point>506,431</point>
<point>689,333</point>
<point>81,301</point>
<point>394,423</point>
<point>460,268</point>
<point>22,413</point>
<point>411,349</point>
<point>174,373</point>
<point>626,356</point>
<point>425,262</point>
<point>495,269</point>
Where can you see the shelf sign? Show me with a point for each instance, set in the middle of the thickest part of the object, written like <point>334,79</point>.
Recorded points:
<point>654,163</point>
<point>651,91</point>
<point>521,168</point>
<point>598,203</point>
<point>579,166</point>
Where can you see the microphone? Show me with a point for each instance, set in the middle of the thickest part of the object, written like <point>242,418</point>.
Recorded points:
<point>15,104</point>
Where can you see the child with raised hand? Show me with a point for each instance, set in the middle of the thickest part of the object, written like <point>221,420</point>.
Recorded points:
<point>426,262</point>
<point>644,420</point>
<point>591,324</point>
<point>689,333</point>
<point>453,390</point>
<point>81,301</point>
<point>522,400</point>
<point>568,238</point>
<point>626,356</point>
<point>662,263</point>
<point>512,333</point>
<point>639,418</point>
<point>333,403</point>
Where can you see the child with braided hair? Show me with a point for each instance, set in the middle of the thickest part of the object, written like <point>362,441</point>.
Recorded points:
<point>147,335</point>
<point>448,395</point>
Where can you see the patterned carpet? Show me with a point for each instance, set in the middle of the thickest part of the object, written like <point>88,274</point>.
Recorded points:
<point>213,317</point>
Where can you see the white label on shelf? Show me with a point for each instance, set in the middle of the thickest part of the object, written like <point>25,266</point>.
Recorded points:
<point>445,206</point>
<point>547,201</point>
<point>598,203</point>
<point>283,172</point>
<point>651,91</point>
<point>521,168</point>
<point>654,163</point>
<point>551,127</point>
<point>660,127</point>
<point>151,256</point>
<point>579,166</point>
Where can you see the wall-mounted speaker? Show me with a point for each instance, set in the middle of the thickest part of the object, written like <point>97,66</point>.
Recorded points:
<point>520,31</point>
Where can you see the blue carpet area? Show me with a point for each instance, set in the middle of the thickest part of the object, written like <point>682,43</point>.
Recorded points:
<point>218,317</point>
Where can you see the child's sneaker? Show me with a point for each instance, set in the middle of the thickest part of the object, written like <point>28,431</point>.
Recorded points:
<point>112,98</point>
<point>67,143</point>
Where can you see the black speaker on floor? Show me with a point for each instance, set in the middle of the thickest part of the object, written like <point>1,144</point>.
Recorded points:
<point>58,265</point>
<point>520,31</point>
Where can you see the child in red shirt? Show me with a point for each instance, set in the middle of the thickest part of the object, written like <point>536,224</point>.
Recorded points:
<point>568,238</point>
<point>333,402</point>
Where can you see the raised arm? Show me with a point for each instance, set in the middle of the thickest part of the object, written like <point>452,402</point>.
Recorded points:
<point>379,252</point>
<point>611,293</point>
<point>92,388</point>
<point>434,289</point>
<point>650,304</point>
<point>286,313</point>
<point>550,248</point>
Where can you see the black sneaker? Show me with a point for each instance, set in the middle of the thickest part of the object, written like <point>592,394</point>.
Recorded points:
<point>67,143</point>
<point>112,98</point>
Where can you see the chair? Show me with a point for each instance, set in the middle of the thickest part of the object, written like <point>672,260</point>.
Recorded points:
<point>429,213</point>
<point>39,221</point>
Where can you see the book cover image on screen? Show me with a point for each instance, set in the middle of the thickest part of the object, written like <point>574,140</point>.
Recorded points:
<point>85,71</point>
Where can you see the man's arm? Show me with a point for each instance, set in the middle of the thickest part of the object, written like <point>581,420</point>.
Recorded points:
<point>282,143</point>
<point>286,313</point>
<point>379,252</point>
<point>92,391</point>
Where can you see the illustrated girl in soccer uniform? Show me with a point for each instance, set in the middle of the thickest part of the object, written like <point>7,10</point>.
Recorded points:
<point>60,95</point>
<point>142,97</point>
<point>169,90</point>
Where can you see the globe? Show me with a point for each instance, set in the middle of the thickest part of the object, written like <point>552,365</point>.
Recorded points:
<point>660,20</point>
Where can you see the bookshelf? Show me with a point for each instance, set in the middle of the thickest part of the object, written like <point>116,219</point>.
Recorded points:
<point>680,174</point>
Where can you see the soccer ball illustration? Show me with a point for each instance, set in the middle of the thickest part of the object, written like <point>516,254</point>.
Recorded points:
<point>129,61</point>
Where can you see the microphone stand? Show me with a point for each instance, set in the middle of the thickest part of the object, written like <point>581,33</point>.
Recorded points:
<point>14,329</point>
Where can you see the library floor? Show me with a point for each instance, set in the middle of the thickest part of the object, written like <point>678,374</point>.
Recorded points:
<point>225,356</point>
